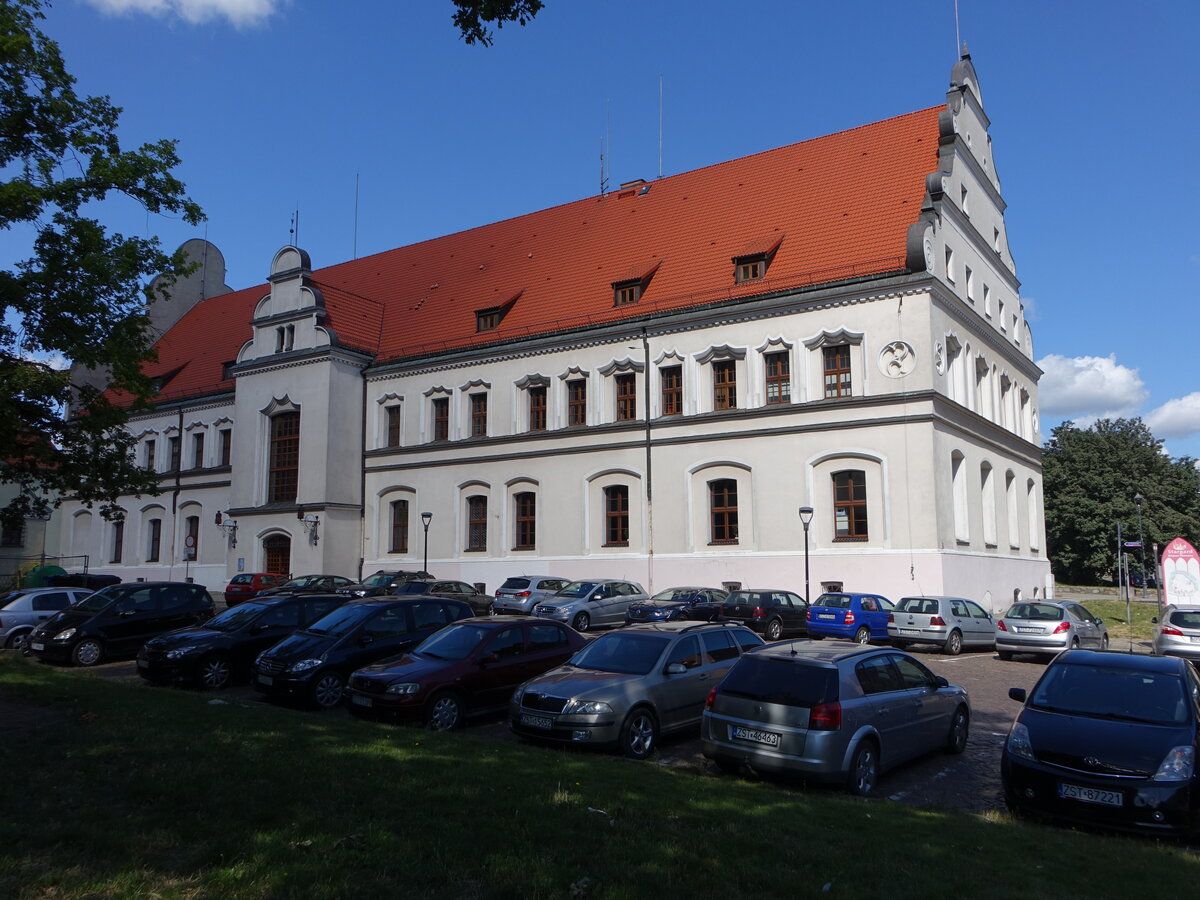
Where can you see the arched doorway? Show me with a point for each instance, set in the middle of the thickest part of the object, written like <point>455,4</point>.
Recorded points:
<point>277,554</point>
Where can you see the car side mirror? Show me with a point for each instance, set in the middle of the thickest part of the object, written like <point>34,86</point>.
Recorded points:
<point>1017,694</point>
<point>1099,621</point>
<point>1154,620</point>
<point>940,682</point>
<point>676,669</point>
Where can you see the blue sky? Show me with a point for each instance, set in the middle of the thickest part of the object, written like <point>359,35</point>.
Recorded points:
<point>282,105</point>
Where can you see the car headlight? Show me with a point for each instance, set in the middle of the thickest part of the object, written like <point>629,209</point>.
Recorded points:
<point>407,687</point>
<point>586,708</point>
<point>1177,765</point>
<point>359,593</point>
<point>180,652</point>
<point>1018,742</point>
<point>304,665</point>
<point>64,635</point>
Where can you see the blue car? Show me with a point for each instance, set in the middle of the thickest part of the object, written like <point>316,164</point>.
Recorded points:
<point>861,618</point>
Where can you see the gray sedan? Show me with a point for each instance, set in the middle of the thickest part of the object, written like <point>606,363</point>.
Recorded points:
<point>1046,628</point>
<point>1177,633</point>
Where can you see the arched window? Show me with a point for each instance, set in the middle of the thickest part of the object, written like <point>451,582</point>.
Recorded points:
<point>962,518</point>
<point>987,488</point>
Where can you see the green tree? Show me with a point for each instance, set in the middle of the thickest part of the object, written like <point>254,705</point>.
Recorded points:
<point>1090,478</point>
<point>80,292</point>
<point>471,15</point>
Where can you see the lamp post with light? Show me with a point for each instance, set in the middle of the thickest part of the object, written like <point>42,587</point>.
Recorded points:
<point>1137,500</point>
<point>806,516</point>
<point>426,518</point>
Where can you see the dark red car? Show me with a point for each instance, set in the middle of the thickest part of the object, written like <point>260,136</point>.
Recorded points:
<point>469,667</point>
<point>245,585</point>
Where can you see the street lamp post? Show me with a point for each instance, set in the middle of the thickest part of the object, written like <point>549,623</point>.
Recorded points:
<point>426,518</point>
<point>806,516</point>
<point>1137,499</point>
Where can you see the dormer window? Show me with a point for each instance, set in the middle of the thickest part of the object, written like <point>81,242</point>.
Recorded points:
<point>488,319</point>
<point>629,289</point>
<point>750,269</point>
<point>627,293</point>
<point>754,260</point>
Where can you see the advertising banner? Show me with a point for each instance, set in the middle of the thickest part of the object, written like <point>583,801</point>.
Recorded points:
<point>1181,573</point>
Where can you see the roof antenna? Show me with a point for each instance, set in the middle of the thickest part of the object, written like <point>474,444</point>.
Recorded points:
<point>603,177</point>
<point>957,36</point>
<point>660,122</point>
<point>204,265</point>
<point>354,254</point>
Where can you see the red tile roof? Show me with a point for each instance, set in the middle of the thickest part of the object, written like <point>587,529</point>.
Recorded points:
<point>842,203</point>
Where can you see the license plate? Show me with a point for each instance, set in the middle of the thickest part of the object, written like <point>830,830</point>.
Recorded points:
<point>265,679</point>
<point>826,616</point>
<point>39,646</point>
<point>770,738</point>
<point>360,700</point>
<point>1090,795</point>
<point>536,721</point>
<point>1195,639</point>
<point>916,632</point>
<point>1021,630</point>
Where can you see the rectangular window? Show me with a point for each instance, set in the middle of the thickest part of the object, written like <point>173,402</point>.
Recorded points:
<point>393,426</point>
<point>399,542</point>
<point>150,454</point>
<point>476,524</point>
<point>616,516</point>
<point>750,269</point>
<point>12,535</point>
<point>487,320</point>
<point>537,408</point>
<point>118,541</point>
<point>176,453</point>
<point>950,265</point>
<point>153,545</point>
<point>441,418</point>
<point>198,450</point>
<point>525,510</point>
<point>627,294</point>
<point>724,384</point>
<point>850,506</point>
<point>837,371</point>
<point>226,446</point>
<point>479,415</point>
<point>970,276</point>
<point>723,511</point>
<point>672,390</point>
<point>779,377</point>
<point>283,475</point>
<point>626,397</point>
<point>577,402</point>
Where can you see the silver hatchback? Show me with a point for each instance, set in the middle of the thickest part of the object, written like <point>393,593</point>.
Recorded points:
<point>831,711</point>
<point>597,601</point>
<point>521,593</point>
<point>952,623</point>
<point>1177,632</point>
<point>22,610</point>
<point>1046,629</point>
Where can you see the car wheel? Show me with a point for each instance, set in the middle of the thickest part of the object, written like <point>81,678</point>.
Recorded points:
<point>953,645</point>
<point>444,712</point>
<point>863,635</point>
<point>87,652</point>
<point>960,726</point>
<point>215,671</point>
<point>1104,642</point>
<point>1005,655</point>
<point>15,640</point>
<point>639,734</point>
<point>327,689</point>
<point>491,610</point>
<point>864,769</point>
<point>774,630</point>
<point>581,622</point>
<point>1074,643</point>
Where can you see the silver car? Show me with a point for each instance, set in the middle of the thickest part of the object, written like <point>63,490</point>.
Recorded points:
<point>1177,633</point>
<point>832,711</point>
<point>950,622</point>
<point>21,610</point>
<point>521,593</point>
<point>1046,628</point>
<point>627,687</point>
<point>597,601</point>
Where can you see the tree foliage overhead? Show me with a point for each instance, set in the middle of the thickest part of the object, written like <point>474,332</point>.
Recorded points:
<point>471,17</point>
<point>1090,479</point>
<point>80,292</point>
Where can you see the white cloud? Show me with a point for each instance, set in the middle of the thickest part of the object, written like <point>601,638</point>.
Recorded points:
<point>1086,388</point>
<point>1176,418</point>
<point>239,12</point>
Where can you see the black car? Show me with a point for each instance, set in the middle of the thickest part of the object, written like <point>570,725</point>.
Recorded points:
<point>117,620</point>
<point>93,581</point>
<point>223,648</point>
<point>1107,740</point>
<point>382,582</point>
<point>697,603</point>
<point>772,613</point>
<point>308,584</point>
<point>313,664</point>
<point>453,590</point>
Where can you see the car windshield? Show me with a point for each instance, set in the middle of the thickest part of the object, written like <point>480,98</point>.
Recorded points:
<point>674,594</point>
<point>341,621</point>
<point>784,681</point>
<point>235,618</point>
<point>1112,692</point>
<point>515,584</point>
<point>379,579</point>
<point>577,589</point>
<point>834,601</point>
<point>241,579</point>
<point>1043,612</point>
<point>10,597</point>
<point>453,642</point>
<point>625,654</point>
<point>97,601</point>
<point>411,587</point>
<point>1184,618</point>
<point>301,582</point>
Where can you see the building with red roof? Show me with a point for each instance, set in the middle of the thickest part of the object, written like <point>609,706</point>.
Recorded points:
<point>647,384</point>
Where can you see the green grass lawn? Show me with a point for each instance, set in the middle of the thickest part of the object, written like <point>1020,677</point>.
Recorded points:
<point>130,791</point>
<point>1123,625</point>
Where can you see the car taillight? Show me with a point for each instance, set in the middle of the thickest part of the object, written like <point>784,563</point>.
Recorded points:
<point>1000,625</point>
<point>936,620</point>
<point>1167,629</point>
<point>808,614</point>
<point>848,619</point>
<point>825,717</point>
<point>1062,628</point>
<point>523,593</point>
<point>759,611</point>
<point>891,618</point>
<point>712,695</point>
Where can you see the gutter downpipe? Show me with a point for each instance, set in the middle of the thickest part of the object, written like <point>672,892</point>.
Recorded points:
<point>649,477</point>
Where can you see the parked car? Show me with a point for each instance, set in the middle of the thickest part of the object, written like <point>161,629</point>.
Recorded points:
<point>314,663</point>
<point>598,601</point>
<point>1107,739</point>
<point>21,610</point>
<point>383,582</point>
<point>91,581</point>
<point>772,613</point>
<point>521,593</point>
<point>467,668</point>
<point>223,649</point>
<point>308,584</point>
<point>696,603</point>
<point>1135,579</point>
<point>1045,628</point>
<point>117,620</point>
<point>952,623</point>
<point>1176,632</point>
<point>832,712</point>
<point>861,618</point>
<point>245,585</point>
<point>627,687</point>
<point>455,590</point>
